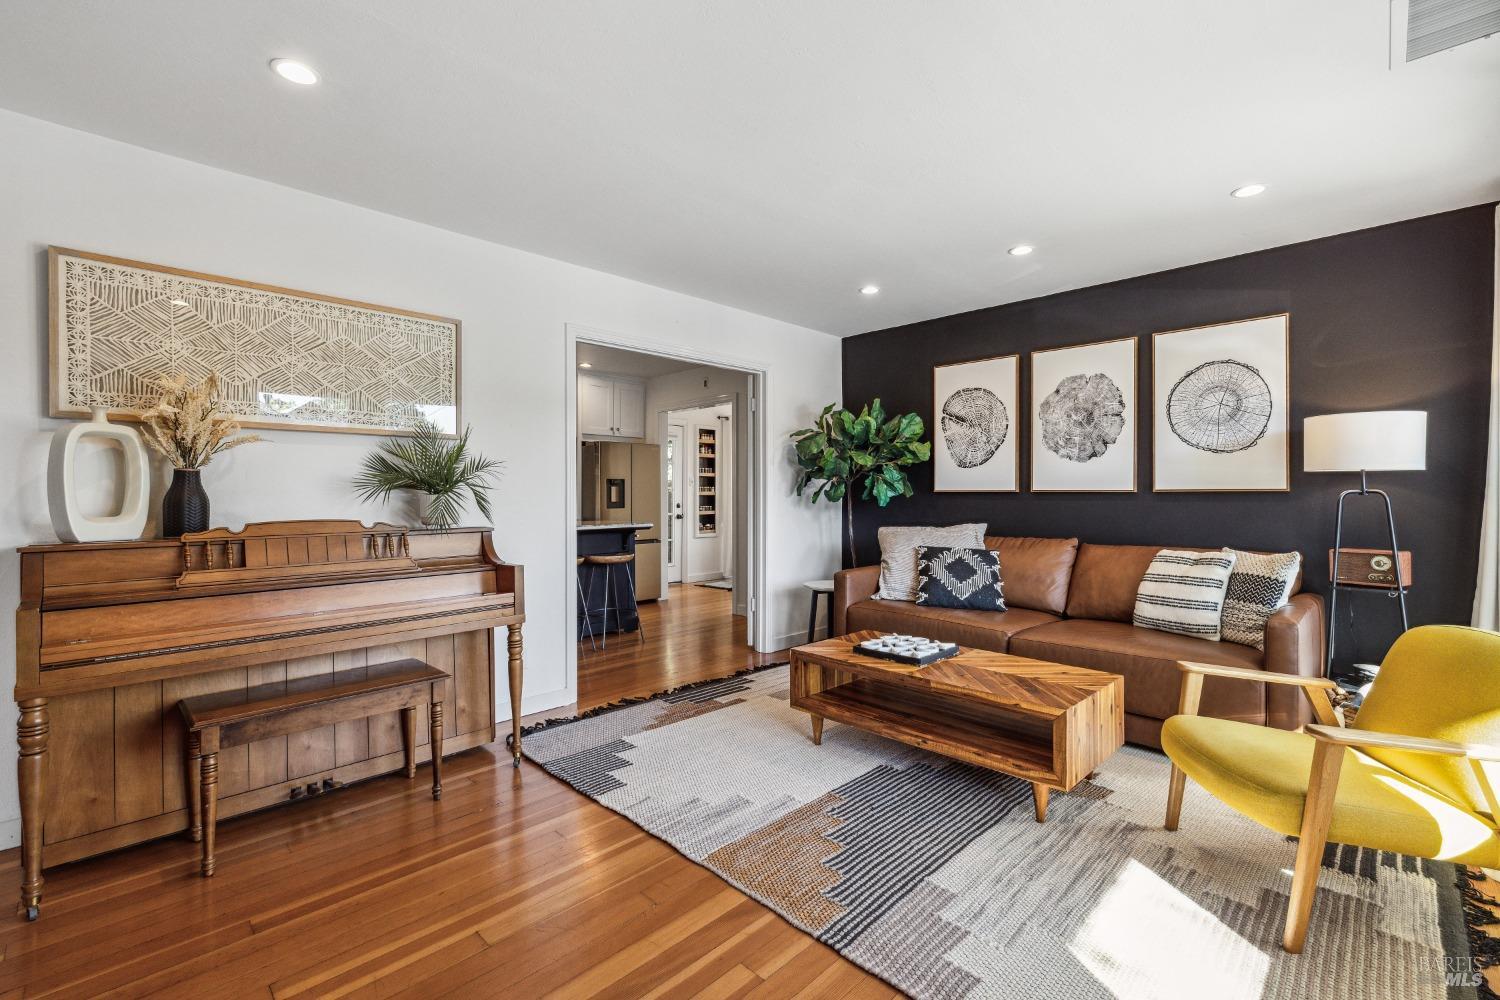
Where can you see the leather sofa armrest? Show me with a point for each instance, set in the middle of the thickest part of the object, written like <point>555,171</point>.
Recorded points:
<point>1295,637</point>
<point>850,586</point>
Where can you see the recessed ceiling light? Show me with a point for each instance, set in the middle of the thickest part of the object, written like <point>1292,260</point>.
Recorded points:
<point>870,290</point>
<point>584,364</point>
<point>1248,191</point>
<point>1021,250</point>
<point>294,71</point>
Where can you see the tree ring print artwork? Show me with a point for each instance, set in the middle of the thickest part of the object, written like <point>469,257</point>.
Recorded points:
<point>1220,407</point>
<point>975,422</point>
<point>1082,417</point>
<point>975,425</point>
<point>1221,401</point>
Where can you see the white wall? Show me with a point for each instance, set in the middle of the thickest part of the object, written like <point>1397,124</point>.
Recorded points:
<point>68,188</point>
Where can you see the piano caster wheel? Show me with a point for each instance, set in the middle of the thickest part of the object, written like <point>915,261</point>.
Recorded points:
<point>32,912</point>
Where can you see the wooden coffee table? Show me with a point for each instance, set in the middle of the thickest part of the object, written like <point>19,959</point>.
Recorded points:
<point>1045,723</point>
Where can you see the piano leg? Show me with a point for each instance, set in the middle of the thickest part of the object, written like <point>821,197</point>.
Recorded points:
<point>409,739</point>
<point>195,790</point>
<point>513,644</point>
<point>32,730</point>
<point>209,779</point>
<point>436,712</point>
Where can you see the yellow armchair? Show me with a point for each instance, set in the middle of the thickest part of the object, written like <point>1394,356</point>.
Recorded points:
<point>1413,776</point>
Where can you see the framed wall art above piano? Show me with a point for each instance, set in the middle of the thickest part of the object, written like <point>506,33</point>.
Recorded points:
<point>111,635</point>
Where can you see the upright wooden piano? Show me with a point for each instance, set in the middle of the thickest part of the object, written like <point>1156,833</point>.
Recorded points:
<point>110,635</point>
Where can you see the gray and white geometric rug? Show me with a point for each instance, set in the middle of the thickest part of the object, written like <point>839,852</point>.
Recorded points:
<point>935,876</point>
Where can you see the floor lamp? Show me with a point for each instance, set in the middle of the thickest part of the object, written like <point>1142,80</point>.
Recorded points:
<point>1374,441</point>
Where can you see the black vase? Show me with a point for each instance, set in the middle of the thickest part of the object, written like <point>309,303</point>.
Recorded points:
<point>185,507</point>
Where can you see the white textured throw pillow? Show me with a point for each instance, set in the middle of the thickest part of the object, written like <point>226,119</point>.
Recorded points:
<point>1183,592</point>
<point>1258,586</point>
<point>898,554</point>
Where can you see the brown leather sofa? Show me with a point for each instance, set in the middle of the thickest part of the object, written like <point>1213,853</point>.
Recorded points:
<point>1072,603</point>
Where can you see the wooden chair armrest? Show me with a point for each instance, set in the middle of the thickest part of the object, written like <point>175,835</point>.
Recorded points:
<point>1318,689</point>
<point>1365,739</point>
<point>1259,676</point>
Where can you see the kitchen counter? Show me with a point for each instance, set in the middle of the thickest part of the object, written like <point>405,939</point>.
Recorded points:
<point>614,526</point>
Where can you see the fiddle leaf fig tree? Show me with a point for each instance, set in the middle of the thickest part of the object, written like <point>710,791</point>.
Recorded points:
<point>845,452</point>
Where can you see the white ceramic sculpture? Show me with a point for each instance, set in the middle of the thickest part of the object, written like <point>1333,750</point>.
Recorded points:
<point>68,520</point>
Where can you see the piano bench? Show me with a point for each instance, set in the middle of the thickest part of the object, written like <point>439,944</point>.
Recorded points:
<point>213,724</point>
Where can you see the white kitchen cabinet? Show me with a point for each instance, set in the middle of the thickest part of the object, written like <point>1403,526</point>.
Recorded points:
<point>630,409</point>
<point>611,407</point>
<point>596,405</point>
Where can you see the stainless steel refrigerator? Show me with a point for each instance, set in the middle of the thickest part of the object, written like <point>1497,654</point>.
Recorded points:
<point>622,483</point>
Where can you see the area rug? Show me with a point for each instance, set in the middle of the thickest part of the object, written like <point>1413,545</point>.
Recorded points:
<point>719,584</point>
<point>935,876</point>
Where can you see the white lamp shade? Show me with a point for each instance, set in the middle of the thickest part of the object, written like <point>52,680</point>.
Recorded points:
<point>1375,441</point>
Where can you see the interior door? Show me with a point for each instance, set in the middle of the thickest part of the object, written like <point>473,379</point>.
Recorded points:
<point>674,481</point>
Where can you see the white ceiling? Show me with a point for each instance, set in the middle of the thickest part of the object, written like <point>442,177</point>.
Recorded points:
<point>778,154</point>
<point>614,361</point>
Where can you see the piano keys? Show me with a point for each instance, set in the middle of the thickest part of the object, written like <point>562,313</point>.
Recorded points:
<point>111,635</point>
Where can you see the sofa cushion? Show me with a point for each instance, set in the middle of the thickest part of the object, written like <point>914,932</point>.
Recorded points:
<point>950,577</point>
<point>1148,661</point>
<point>898,553</point>
<point>1105,579</point>
<point>1036,570</point>
<point>1260,585</point>
<point>981,629</point>
<point>1183,592</point>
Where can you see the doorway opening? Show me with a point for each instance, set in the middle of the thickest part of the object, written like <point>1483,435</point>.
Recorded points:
<point>667,560</point>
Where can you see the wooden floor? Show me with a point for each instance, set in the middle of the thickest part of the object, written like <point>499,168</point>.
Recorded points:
<point>691,636</point>
<point>512,886</point>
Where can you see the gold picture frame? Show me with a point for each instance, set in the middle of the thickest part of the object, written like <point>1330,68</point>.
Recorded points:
<point>287,359</point>
<point>1278,424</point>
<point>1132,414</point>
<point>944,464</point>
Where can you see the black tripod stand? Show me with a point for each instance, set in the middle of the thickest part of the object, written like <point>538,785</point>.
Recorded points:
<point>1338,537</point>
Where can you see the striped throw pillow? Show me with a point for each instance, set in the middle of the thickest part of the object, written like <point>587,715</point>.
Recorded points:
<point>898,554</point>
<point>1183,592</point>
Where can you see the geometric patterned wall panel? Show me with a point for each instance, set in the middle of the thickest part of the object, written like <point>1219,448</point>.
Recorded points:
<point>286,359</point>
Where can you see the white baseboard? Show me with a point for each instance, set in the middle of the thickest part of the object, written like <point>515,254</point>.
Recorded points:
<point>543,701</point>
<point>797,638</point>
<point>703,577</point>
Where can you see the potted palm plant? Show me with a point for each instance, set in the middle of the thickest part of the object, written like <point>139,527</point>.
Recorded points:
<point>845,451</point>
<point>438,469</point>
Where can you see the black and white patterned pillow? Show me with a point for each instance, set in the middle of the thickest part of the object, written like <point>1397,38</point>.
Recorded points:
<point>949,577</point>
<point>1183,592</point>
<point>1258,586</point>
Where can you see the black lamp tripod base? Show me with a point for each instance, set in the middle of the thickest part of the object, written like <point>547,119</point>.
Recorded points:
<point>1338,537</point>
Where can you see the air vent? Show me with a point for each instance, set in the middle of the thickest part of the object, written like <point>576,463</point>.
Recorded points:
<point>1438,25</point>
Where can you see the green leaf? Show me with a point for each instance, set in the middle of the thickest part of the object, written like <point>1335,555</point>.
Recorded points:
<point>810,446</point>
<point>876,411</point>
<point>862,459</point>
<point>835,491</point>
<point>882,492</point>
<point>911,427</point>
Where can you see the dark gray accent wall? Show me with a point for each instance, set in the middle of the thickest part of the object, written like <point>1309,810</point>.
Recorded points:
<point>1397,317</point>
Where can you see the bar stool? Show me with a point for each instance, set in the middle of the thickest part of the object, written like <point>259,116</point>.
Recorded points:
<point>583,602</point>
<point>609,562</point>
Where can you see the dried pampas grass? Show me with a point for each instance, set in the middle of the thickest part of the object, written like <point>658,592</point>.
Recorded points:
<point>187,427</point>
